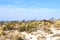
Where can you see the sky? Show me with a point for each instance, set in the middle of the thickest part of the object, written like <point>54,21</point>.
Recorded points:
<point>29,9</point>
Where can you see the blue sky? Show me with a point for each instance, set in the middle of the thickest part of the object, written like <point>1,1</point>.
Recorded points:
<point>29,9</point>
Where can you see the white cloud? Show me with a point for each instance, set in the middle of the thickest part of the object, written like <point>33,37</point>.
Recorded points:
<point>13,13</point>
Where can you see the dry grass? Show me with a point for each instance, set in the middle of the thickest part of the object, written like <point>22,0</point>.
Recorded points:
<point>29,26</point>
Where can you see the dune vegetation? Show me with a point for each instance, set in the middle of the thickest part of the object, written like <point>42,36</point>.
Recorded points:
<point>28,26</point>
